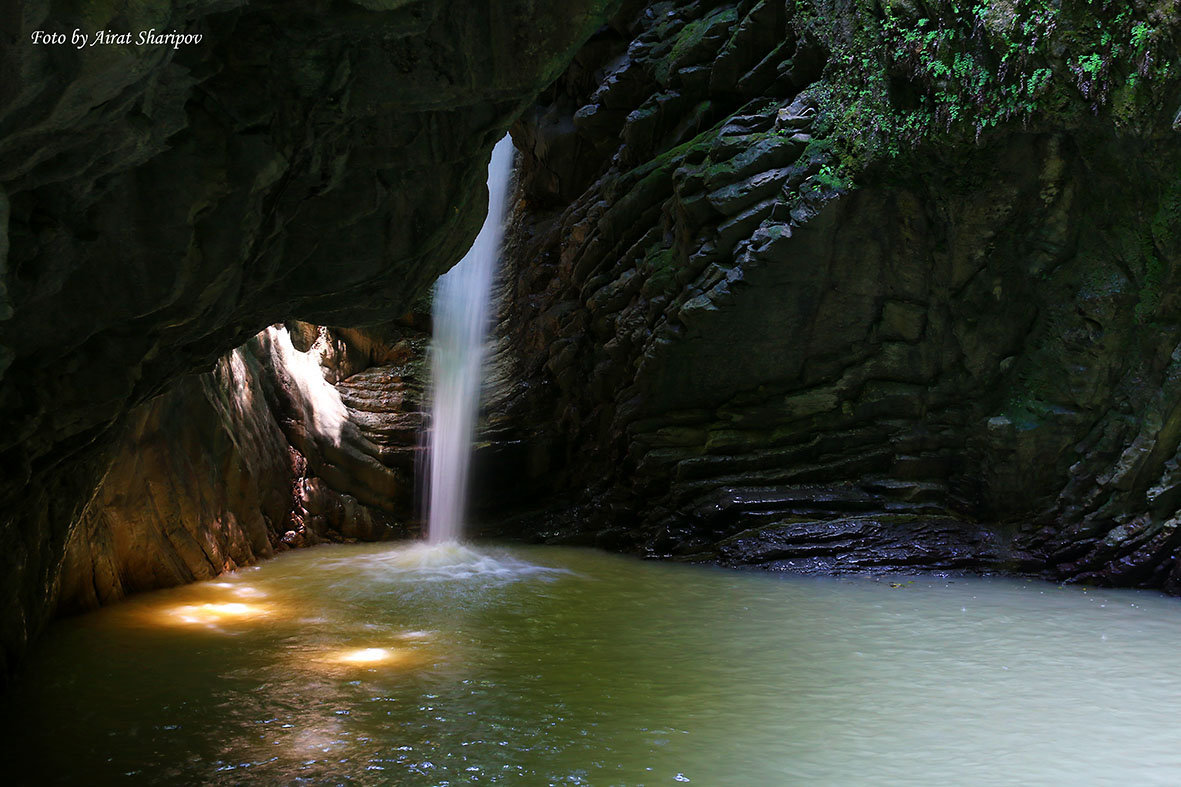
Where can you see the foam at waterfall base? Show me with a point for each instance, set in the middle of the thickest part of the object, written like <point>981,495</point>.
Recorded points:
<point>450,561</point>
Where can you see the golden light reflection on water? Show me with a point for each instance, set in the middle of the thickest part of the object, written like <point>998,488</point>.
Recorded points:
<point>385,658</point>
<point>223,607</point>
<point>213,604</point>
<point>214,613</point>
<point>366,656</point>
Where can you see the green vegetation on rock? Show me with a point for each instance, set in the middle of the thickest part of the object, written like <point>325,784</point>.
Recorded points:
<point>902,71</point>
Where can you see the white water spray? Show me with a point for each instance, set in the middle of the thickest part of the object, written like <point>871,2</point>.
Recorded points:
<point>460,316</point>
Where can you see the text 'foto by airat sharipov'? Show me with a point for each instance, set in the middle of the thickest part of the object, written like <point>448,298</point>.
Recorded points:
<point>80,40</point>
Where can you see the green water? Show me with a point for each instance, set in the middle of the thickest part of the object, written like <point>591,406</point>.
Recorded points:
<point>397,665</point>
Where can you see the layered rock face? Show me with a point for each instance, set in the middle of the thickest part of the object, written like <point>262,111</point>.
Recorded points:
<point>301,436</point>
<point>159,206</point>
<point>969,360</point>
<point>200,484</point>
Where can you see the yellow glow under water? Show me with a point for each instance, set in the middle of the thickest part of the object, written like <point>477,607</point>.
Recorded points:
<point>388,659</point>
<point>367,656</point>
<point>417,666</point>
<point>213,613</point>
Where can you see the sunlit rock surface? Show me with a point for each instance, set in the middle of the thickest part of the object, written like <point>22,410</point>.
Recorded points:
<point>262,454</point>
<point>200,484</point>
<point>160,206</point>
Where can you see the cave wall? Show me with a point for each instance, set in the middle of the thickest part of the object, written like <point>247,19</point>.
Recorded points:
<point>200,484</point>
<point>754,351</point>
<point>160,206</point>
<point>304,435</point>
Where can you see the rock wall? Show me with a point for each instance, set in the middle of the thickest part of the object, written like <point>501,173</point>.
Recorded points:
<point>200,484</point>
<point>278,447</point>
<point>760,342</point>
<point>159,206</point>
<point>303,435</point>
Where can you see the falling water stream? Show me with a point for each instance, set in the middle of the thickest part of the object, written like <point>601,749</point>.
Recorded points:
<point>460,317</point>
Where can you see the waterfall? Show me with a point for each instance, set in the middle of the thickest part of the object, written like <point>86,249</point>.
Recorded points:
<point>461,315</point>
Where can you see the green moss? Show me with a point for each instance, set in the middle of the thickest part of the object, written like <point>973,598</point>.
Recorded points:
<point>729,164</point>
<point>689,37</point>
<point>1161,234</point>
<point>897,76</point>
<point>1026,411</point>
<point>1166,222</point>
<point>654,174</point>
<point>659,267</point>
<point>1150,289</point>
<point>659,258</point>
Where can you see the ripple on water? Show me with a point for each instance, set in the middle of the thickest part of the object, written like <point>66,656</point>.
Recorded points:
<point>448,562</point>
<point>428,664</point>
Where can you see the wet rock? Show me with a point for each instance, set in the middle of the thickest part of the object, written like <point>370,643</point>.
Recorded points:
<point>744,343</point>
<point>210,477</point>
<point>199,485</point>
<point>878,543</point>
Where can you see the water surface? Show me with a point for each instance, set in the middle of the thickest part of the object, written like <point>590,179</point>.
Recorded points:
<point>447,665</point>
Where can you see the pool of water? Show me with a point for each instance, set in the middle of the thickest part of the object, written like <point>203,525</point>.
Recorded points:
<point>449,665</point>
